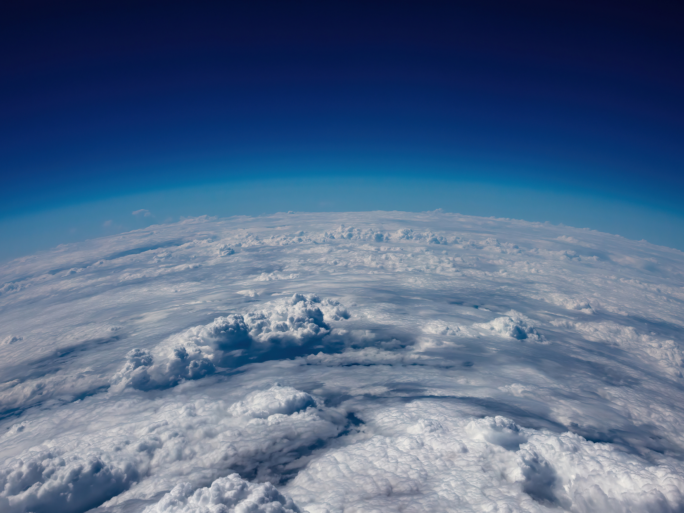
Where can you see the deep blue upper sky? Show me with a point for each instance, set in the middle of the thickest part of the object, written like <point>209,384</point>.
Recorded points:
<point>112,98</point>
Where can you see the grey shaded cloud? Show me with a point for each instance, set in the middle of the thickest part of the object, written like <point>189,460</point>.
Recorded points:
<point>231,341</point>
<point>275,400</point>
<point>227,494</point>
<point>429,458</point>
<point>48,481</point>
<point>135,458</point>
<point>513,325</point>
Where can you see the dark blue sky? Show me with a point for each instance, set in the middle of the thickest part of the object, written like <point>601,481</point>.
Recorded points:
<point>113,98</point>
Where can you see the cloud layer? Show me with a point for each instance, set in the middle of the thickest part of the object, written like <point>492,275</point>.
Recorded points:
<point>343,362</point>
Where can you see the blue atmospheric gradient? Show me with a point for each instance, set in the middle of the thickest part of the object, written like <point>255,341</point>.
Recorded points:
<point>563,112</point>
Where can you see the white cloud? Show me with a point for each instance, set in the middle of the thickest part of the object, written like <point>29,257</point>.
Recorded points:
<point>142,213</point>
<point>45,481</point>
<point>224,250</point>
<point>277,399</point>
<point>145,451</point>
<point>230,341</point>
<point>225,495</point>
<point>513,325</point>
<point>429,458</point>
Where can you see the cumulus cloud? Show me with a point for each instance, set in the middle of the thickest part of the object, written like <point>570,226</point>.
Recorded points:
<point>281,327</point>
<point>440,328</point>
<point>275,276</point>
<point>229,494</point>
<point>257,436</point>
<point>513,325</point>
<point>48,481</point>
<point>225,495</point>
<point>497,430</point>
<point>277,399</point>
<point>580,304</point>
<point>575,474</point>
<point>433,459</point>
<point>224,250</point>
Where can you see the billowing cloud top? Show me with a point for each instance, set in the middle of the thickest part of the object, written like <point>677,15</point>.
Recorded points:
<point>343,362</point>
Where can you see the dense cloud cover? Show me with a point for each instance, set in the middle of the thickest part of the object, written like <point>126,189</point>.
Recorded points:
<point>343,362</point>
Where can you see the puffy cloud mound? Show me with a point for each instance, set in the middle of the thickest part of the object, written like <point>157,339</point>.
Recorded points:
<point>497,430</point>
<point>294,322</point>
<point>224,250</point>
<point>276,331</point>
<point>173,366</point>
<point>118,459</point>
<point>277,399</point>
<point>568,471</point>
<point>230,494</point>
<point>513,325</point>
<point>429,457</point>
<point>48,482</point>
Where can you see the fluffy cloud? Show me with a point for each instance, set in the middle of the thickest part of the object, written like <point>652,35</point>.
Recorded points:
<point>568,471</point>
<point>429,459</point>
<point>513,325</point>
<point>229,494</point>
<point>274,331</point>
<point>47,481</point>
<point>275,400</point>
<point>123,458</point>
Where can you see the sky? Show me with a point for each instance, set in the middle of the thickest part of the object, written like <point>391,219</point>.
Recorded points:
<point>566,112</point>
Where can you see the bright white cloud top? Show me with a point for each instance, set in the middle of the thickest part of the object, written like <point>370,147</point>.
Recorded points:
<point>340,363</point>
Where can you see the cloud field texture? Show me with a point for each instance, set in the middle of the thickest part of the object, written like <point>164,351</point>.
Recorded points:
<point>381,361</point>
